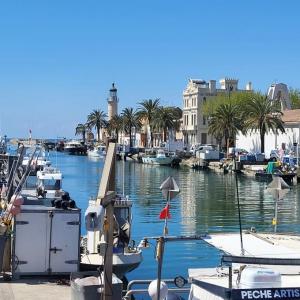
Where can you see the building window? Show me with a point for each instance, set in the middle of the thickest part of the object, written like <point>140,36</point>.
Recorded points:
<point>203,138</point>
<point>204,120</point>
<point>204,99</point>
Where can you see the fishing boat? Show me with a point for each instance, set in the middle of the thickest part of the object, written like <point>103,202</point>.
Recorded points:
<point>38,162</point>
<point>126,256</point>
<point>265,267</point>
<point>97,151</point>
<point>48,184</point>
<point>274,169</point>
<point>158,157</point>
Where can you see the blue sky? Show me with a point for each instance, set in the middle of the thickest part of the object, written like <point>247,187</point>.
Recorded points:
<point>58,58</point>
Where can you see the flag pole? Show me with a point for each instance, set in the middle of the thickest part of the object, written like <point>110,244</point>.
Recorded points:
<point>166,231</point>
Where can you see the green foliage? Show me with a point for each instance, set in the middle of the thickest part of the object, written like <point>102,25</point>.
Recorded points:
<point>236,98</point>
<point>131,119</point>
<point>147,110</point>
<point>115,125</point>
<point>225,122</point>
<point>97,119</point>
<point>81,130</point>
<point>165,119</point>
<point>295,98</point>
<point>262,115</point>
<point>245,112</point>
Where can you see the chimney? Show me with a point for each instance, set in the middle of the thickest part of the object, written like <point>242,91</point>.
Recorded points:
<point>249,86</point>
<point>212,86</point>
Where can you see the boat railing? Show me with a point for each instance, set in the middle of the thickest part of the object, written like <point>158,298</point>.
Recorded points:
<point>139,291</point>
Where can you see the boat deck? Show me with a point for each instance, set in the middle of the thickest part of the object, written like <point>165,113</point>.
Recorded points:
<point>257,244</point>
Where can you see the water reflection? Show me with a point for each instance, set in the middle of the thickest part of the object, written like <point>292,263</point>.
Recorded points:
<point>207,203</point>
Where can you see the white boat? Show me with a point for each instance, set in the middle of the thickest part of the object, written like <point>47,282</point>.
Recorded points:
<point>158,157</point>
<point>98,151</point>
<point>38,162</point>
<point>74,147</point>
<point>266,268</point>
<point>126,256</point>
<point>48,184</point>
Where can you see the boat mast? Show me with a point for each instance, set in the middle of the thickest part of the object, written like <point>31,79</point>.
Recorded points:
<point>239,207</point>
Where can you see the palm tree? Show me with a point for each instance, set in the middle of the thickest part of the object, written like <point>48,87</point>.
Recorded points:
<point>226,121</point>
<point>262,115</point>
<point>131,120</point>
<point>147,111</point>
<point>97,119</point>
<point>81,130</point>
<point>115,125</point>
<point>166,119</point>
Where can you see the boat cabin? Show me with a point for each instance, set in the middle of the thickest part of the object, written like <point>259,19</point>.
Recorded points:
<point>49,181</point>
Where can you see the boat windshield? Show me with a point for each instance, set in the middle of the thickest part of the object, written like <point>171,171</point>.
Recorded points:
<point>50,184</point>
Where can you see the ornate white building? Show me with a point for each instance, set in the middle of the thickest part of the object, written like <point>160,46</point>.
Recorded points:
<point>197,92</point>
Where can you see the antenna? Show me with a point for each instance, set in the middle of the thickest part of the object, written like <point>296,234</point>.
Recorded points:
<point>123,170</point>
<point>239,208</point>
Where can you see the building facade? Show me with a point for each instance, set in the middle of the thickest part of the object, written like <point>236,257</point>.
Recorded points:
<point>197,92</point>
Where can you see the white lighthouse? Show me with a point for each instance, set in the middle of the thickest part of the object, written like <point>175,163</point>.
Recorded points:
<point>112,102</point>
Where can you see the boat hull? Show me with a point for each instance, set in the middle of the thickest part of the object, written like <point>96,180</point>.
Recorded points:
<point>122,262</point>
<point>157,160</point>
<point>288,178</point>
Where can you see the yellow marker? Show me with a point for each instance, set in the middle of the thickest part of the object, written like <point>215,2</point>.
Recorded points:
<point>105,225</point>
<point>274,221</point>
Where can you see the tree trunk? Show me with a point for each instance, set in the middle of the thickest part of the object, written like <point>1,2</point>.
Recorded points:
<point>151,139</point>
<point>262,141</point>
<point>98,134</point>
<point>227,145</point>
<point>130,138</point>
<point>165,135</point>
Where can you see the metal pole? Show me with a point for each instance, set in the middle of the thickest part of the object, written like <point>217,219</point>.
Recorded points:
<point>275,216</point>
<point>159,257</point>
<point>123,170</point>
<point>239,207</point>
<point>108,258</point>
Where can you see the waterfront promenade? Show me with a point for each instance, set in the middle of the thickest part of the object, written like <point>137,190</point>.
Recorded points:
<point>37,288</point>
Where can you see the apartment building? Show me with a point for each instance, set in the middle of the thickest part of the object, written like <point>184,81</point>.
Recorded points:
<point>197,92</point>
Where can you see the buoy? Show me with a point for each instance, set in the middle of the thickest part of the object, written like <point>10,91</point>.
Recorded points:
<point>152,290</point>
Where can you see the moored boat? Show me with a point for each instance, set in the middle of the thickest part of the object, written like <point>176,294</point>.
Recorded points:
<point>75,147</point>
<point>97,151</point>
<point>126,256</point>
<point>158,157</point>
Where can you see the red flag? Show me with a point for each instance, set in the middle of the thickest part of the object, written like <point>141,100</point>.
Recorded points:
<point>165,213</point>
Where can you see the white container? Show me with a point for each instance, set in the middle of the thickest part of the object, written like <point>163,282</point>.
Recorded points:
<point>254,277</point>
<point>46,241</point>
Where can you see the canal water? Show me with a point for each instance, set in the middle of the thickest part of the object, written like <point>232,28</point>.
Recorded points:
<point>207,203</point>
